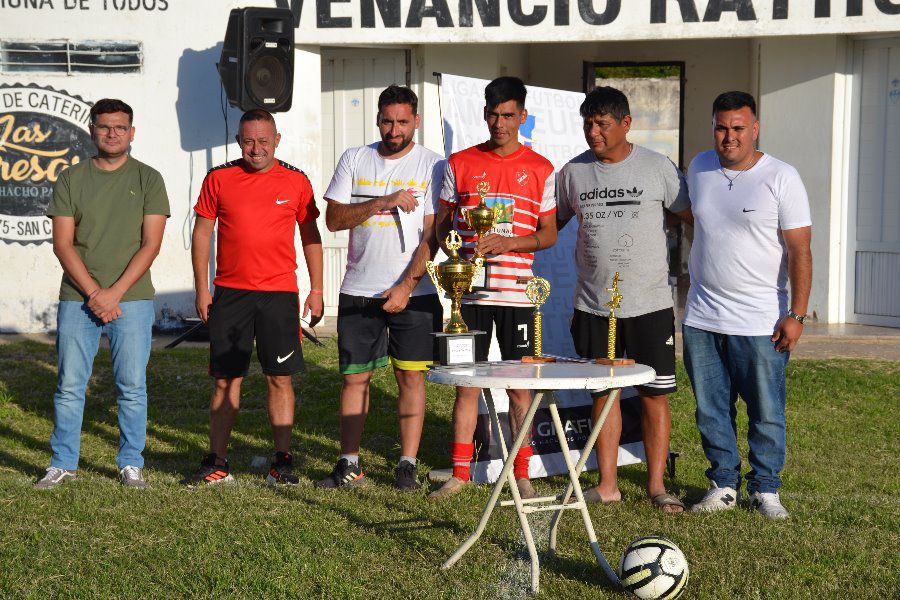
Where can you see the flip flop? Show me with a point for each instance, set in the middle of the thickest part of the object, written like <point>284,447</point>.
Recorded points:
<point>592,496</point>
<point>661,501</point>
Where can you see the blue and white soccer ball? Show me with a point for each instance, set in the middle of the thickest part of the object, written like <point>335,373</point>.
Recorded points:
<point>653,568</point>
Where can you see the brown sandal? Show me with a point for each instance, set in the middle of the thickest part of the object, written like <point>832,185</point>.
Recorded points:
<point>661,501</point>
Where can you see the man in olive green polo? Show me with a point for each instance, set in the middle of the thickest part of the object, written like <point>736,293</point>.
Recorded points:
<point>109,214</point>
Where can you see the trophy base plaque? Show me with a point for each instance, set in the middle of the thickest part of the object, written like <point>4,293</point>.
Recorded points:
<point>481,279</point>
<point>538,359</point>
<point>614,362</point>
<point>456,348</point>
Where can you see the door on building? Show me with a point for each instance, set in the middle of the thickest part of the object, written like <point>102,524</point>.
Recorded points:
<point>352,79</point>
<point>874,232</point>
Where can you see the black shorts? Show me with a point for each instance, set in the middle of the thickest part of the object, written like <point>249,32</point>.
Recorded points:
<point>649,339</point>
<point>369,338</point>
<point>236,317</point>
<point>514,329</point>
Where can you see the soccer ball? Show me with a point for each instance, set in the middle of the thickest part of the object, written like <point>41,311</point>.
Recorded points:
<point>654,568</point>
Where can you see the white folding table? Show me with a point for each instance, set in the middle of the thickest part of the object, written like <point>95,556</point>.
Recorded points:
<point>543,379</point>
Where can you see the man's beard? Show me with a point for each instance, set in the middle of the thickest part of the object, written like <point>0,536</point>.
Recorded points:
<point>395,147</point>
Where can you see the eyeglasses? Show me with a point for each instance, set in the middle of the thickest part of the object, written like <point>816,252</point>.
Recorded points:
<point>116,129</point>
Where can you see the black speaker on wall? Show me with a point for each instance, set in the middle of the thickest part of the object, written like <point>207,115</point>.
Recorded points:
<point>257,62</point>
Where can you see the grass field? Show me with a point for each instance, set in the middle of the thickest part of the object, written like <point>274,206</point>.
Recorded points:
<point>94,539</point>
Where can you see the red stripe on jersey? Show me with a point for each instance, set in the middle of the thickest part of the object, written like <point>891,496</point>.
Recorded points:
<point>507,264</point>
<point>513,278</point>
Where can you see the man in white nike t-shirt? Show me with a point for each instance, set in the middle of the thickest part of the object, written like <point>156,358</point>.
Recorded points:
<point>752,231</point>
<point>386,194</point>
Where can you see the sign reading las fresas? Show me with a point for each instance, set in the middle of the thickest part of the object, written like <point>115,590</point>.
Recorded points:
<point>437,21</point>
<point>42,132</point>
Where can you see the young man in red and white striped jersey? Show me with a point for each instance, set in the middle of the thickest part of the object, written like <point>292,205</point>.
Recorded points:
<point>522,186</point>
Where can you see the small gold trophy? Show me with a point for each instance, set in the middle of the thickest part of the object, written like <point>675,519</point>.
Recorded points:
<point>612,305</point>
<point>454,276</point>
<point>480,220</point>
<point>538,290</point>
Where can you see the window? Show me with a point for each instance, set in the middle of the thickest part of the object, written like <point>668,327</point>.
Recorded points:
<point>655,93</point>
<point>66,56</point>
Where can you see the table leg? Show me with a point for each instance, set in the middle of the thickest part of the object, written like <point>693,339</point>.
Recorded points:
<point>574,473</point>
<point>495,422</point>
<point>506,476</point>
<point>514,489</point>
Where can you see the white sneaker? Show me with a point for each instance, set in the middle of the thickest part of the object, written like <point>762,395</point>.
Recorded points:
<point>132,477</point>
<point>717,498</point>
<point>54,477</point>
<point>768,504</point>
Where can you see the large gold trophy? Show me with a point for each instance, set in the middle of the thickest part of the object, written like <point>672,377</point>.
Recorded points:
<point>480,220</point>
<point>612,305</point>
<point>454,276</point>
<point>537,291</point>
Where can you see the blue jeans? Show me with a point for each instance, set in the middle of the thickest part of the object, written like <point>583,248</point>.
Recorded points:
<point>721,367</point>
<point>77,340</point>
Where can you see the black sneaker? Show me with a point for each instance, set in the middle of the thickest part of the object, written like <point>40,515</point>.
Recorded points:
<point>282,470</point>
<point>406,477</point>
<point>209,473</point>
<point>343,475</point>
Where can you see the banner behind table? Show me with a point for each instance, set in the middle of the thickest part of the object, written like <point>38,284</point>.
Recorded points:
<point>554,130</point>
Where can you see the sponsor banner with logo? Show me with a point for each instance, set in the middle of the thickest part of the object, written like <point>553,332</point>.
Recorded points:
<point>553,129</point>
<point>42,132</point>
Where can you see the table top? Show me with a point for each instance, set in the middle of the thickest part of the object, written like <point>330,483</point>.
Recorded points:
<point>567,375</point>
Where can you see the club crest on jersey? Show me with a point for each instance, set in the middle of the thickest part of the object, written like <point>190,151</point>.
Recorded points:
<point>522,177</point>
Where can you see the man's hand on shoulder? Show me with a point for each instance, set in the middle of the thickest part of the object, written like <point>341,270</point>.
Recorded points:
<point>402,199</point>
<point>314,306</point>
<point>787,334</point>
<point>396,298</point>
<point>104,303</point>
<point>202,302</point>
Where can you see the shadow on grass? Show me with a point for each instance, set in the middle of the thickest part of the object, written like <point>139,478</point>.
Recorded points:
<point>404,527</point>
<point>26,468</point>
<point>584,571</point>
<point>178,418</point>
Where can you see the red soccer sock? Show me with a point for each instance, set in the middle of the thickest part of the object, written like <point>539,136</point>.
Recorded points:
<point>520,465</point>
<point>461,456</point>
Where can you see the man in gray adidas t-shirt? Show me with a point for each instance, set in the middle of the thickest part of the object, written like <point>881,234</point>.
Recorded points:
<point>618,192</point>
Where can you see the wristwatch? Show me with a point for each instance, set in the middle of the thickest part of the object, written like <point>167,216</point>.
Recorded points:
<point>797,317</point>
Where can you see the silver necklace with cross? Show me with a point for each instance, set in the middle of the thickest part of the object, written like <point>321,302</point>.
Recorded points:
<point>731,180</point>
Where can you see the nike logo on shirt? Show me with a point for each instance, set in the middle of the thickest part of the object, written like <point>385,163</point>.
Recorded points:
<point>281,359</point>
<point>281,201</point>
<point>750,210</point>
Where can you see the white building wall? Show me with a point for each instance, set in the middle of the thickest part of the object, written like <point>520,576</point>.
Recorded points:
<point>180,130</point>
<point>800,80</point>
<point>800,111</point>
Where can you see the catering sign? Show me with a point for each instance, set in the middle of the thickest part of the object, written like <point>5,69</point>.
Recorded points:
<point>42,132</point>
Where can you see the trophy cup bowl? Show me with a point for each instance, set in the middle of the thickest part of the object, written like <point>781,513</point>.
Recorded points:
<point>481,218</point>
<point>454,276</point>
